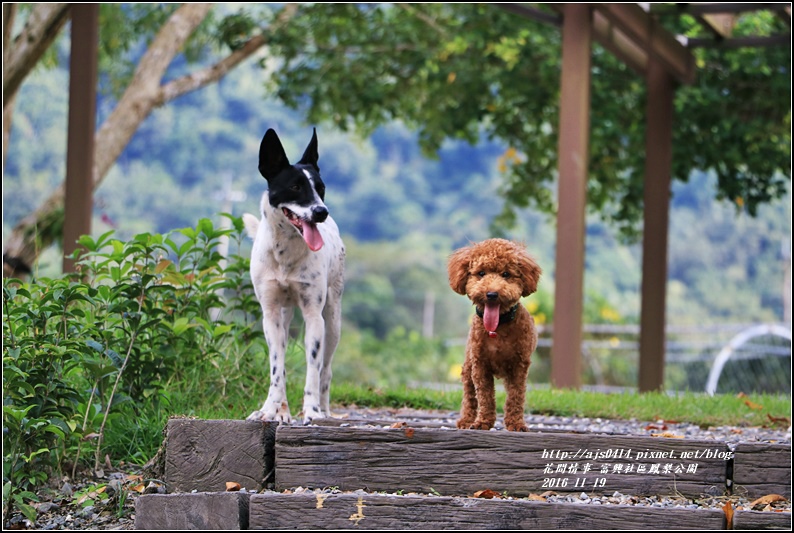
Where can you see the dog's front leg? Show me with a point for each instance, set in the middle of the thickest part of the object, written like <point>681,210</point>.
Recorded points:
<point>315,350</point>
<point>332,314</point>
<point>468,407</point>
<point>516,385</point>
<point>276,327</point>
<point>486,399</point>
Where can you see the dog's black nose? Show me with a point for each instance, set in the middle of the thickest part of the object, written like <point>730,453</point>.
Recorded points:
<point>492,295</point>
<point>319,213</point>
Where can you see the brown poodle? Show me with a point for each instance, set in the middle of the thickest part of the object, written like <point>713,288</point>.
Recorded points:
<point>495,274</point>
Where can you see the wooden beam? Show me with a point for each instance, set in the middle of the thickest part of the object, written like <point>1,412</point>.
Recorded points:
<point>421,460</point>
<point>739,42</point>
<point>714,7</point>
<point>635,47</point>
<point>720,24</point>
<point>658,170</point>
<point>652,37</point>
<point>574,136</point>
<point>78,201</point>
<point>619,44</point>
<point>730,7</point>
<point>367,511</point>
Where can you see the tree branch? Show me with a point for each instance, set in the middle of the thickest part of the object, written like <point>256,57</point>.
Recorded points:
<point>141,94</point>
<point>204,77</point>
<point>9,16</point>
<point>41,28</point>
<point>410,8</point>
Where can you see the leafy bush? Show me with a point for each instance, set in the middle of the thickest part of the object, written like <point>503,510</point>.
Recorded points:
<point>85,354</point>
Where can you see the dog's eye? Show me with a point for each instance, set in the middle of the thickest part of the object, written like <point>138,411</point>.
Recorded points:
<point>296,187</point>
<point>505,275</point>
<point>481,273</point>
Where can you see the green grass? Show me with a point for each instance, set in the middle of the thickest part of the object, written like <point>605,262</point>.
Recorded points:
<point>694,408</point>
<point>136,439</point>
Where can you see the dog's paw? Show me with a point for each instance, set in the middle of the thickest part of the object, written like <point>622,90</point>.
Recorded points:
<point>464,424</point>
<point>312,413</point>
<point>269,413</point>
<point>479,424</point>
<point>261,416</point>
<point>520,426</point>
<point>257,416</point>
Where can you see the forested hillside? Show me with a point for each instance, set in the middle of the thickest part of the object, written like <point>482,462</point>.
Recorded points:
<point>400,213</point>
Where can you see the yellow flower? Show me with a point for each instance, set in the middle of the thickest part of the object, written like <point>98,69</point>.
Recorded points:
<point>607,313</point>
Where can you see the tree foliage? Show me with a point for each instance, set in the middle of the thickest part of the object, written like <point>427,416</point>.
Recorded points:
<point>448,71</point>
<point>464,71</point>
<point>168,35</point>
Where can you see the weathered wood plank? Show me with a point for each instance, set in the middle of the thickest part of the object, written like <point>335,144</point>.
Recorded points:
<point>200,510</point>
<point>455,462</point>
<point>204,454</point>
<point>376,511</point>
<point>761,520</point>
<point>760,469</point>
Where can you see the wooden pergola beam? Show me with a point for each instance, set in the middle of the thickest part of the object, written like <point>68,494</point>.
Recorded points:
<point>78,200</point>
<point>574,138</point>
<point>619,44</point>
<point>653,39</point>
<point>656,214</point>
<point>633,36</point>
<point>739,42</point>
<point>720,24</point>
<point>706,8</point>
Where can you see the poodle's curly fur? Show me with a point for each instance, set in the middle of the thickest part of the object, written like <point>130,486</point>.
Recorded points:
<point>495,274</point>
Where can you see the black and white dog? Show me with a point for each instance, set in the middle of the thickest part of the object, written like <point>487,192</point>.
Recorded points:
<point>297,259</point>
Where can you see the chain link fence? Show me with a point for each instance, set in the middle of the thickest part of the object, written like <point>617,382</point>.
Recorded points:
<point>728,358</point>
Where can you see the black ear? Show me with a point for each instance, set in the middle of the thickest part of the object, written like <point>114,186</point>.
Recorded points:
<point>311,156</point>
<point>272,157</point>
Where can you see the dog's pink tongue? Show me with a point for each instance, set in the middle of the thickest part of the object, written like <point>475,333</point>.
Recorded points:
<point>312,236</point>
<point>490,316</point>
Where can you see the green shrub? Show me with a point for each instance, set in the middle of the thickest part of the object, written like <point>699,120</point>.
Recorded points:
<point>85,355</point>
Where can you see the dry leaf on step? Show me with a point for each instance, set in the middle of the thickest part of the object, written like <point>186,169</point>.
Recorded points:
<point>769,498</point>
<point>487,494</point>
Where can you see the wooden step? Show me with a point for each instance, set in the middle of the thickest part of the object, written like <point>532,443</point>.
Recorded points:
<point>376,511</point>
<point>270,510</point>
<point>461,462</point>
<point>760,469</point>
<point>203,455</point>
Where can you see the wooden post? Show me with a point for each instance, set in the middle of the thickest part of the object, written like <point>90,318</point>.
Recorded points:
<point>573,161</point>
<point>658,168</point>
<point>78,200</point>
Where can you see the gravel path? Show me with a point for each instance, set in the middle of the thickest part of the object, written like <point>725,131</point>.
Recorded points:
<point>446,419</point>
<point>66,505</point>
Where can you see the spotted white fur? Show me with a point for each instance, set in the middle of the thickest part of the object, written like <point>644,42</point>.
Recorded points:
<point>285,274</point>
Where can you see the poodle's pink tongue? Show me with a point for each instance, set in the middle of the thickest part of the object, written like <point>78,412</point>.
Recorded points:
<point>312,236</point>
<point>490,316</point>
